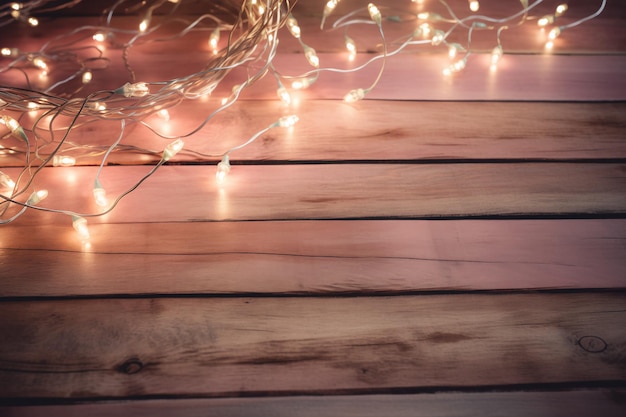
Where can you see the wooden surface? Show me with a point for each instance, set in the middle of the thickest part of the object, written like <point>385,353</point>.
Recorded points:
<point>444,248</point>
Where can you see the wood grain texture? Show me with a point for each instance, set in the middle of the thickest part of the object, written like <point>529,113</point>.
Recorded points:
<point>320,257</point>
<point>292,192</point>
<point>145,347</point>
<point>579,403</point>
<point>380,130</point>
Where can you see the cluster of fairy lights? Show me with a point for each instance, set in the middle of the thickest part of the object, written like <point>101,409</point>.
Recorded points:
<point>248,40</point>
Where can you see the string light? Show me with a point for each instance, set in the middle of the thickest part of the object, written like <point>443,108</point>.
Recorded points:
<point>63,161</point>
<point>253,33</point>
<point>172,149</point>
<point>223,168</point>
<point>80,225</point>
<point>6,182</point>
<point>99,194</point>
<point>14,127</point>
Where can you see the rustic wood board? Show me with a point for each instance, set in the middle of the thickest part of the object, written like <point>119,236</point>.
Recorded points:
<point>578,403</point>
<point>379,130</point>
<point>292,192</point>
<point>231,346</point>
<point>306,257</point>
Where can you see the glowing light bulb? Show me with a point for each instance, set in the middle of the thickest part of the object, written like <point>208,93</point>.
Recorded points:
<point>545,20</point>
<point>133,90</point>
<point>32,106</point>
<point>302,84</point>
<point>214,39</point>
<point>330,6</point>
<point>99,194</point>
<point>80,225</point>
<point>63,161</point>
<point>549,45</point>
<point>16,6</point>
<point>554,33</point>
<point>223,168</point>
<point>87,77</point>
<point>13,125</point>
<point>311,56</point>
<point>172,149</point>
<point>560,9</point>
<point>350,45</point>
<point>284,95</point>
<point>287,121</point>
<point>6,182</point>
<point>99,37</point>
<point>474,5</point>
<point>425,29</point>
<point>496,55</point>
<point>5,51</point>
<point>40,63</point>
<point>33,21</point>
<point>163,114</point>
<point>292,26</point>
<point>36,197</point>
<point>354,95</point>
<point>454,49</point>
<point>144,24</point>
<point>438,37</point>
<point>455,67</point>
<point>374,13</point>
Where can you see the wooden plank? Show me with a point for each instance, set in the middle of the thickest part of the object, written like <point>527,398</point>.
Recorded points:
<point>313,257</point>
<point>292,192</point>
<point>234,346</point>
<point>378,130</point>
<point>579,403</point>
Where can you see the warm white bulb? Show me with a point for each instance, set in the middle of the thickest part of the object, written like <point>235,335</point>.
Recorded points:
<point>80,225</point>
<point>560,9</point>
<point>163,114</point>
<point>133,90</point>
<point>223,168</point>
<point>63,161</point>
<point>6,182</point>
<point>474,5</point>
<point>214,39</point>
<point>14,126</point>
<point>292,26</point>
<point>172,149</point>
<point>554,33</point>
<point>288,121</point>
<point>311,56</point>
<point>40,63</point>
<point>330,6</point>
<point>438,37</point>
<point>354,95</point>
<point>144,25</point>
<point>284,95</point>
<point>100,196</point>
<point>36,197</point>
<point>87,77</point>
<point>374,13</point>
<point>350,45</point>
<point>99,37</point>
<point>496,55</point>
<point>33,21</point>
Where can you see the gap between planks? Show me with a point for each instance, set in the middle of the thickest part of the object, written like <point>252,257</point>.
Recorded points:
<point>576,403</point>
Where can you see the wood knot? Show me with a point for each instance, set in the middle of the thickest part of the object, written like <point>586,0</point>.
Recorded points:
<point>592,344</point>
<point>131,366</point>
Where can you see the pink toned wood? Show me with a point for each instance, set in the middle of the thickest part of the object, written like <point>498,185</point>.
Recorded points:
<point>576,403</point>
<point>245,346</point>
<point>292,192</point>
<point>376,130</point>
<point>313,257</point>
